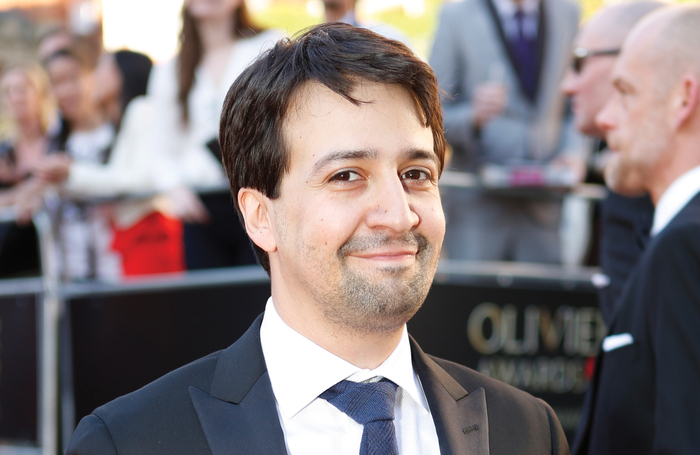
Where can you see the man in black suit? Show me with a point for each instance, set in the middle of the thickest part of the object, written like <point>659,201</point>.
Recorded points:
<point>333,146</point>
<point>625,221</point>
<point>644,397</point>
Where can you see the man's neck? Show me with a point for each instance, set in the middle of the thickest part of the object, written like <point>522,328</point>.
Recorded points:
<point>684,156</point>
<point>362,349</point>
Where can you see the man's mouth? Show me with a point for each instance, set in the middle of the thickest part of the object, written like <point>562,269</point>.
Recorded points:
<point>382,248</point>
<point>391,254</point>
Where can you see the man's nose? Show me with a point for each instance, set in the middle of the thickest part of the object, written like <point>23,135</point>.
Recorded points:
<point>391,207</point>
<point>568,85</point>
<point>605,119</point>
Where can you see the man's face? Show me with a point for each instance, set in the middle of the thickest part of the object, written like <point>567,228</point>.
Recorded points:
<point>590,87</point>
<point>72,86</point>
<point>336,9</point>
<point>634,121</point>
<point>358,223</point>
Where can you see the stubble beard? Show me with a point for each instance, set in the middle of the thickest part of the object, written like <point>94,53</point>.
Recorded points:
<point>629,174</point>
<point>622,177</point>
<point>366,306</point>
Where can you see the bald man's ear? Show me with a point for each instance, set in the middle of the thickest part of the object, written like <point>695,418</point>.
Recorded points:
<point>255,208</point>
<point>687,99</point>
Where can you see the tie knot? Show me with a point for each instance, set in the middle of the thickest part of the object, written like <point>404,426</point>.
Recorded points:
<point>363,402</point>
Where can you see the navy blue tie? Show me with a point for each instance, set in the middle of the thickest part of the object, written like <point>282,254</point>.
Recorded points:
<point>371,405</point>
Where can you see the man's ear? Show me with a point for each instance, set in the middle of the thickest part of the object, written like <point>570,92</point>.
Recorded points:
<point>687,100</point>
<point>255,208</point>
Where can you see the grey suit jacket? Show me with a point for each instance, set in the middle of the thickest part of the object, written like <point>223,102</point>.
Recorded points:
<point>223,404</point>
<point>468,51</point>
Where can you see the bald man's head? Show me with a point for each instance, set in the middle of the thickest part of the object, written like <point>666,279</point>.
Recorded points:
<point>613,23</point>
<point>588,82</point>
<point>652,119</point>
<point>668,41</point>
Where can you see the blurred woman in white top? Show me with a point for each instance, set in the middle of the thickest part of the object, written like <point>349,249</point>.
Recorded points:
<point>218,40</point>
<point>27,110</point>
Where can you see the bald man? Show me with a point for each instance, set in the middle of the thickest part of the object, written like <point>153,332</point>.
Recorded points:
<point>625,221</point>
<point>644,394</point>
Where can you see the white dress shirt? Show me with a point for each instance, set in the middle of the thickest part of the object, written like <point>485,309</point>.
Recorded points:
<point>676,196</point>
<point>300,371</point>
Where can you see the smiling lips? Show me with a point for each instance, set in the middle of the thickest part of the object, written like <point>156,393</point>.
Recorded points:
<point>387,255</point>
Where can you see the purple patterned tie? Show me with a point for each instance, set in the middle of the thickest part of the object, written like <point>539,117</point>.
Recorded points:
<point>371,405</point>
<point>525,56</point>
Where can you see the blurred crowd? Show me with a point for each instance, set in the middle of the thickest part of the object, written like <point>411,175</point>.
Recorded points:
<point>124,155</point>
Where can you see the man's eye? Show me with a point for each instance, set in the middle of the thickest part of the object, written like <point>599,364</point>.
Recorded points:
<point>415,174</point>
<point>345,176</point>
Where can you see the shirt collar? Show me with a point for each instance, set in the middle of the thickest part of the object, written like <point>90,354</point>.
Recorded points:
<point>676,196</point>
<point>301,370</point>
<point>507,8</point>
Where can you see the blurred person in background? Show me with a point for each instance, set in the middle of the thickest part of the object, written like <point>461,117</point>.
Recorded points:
<point>500,63</point>
<point>644,397</point>
<point>120,77</point>
<point>29,111</point>
<point>344,11</point>
<point>624,219</point>
<point>147,236</point>
<point>86,136</point>
<point>52,41</point>
<point>217,41</point>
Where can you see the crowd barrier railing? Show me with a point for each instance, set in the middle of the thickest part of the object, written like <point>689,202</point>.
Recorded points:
<point>47,303</point>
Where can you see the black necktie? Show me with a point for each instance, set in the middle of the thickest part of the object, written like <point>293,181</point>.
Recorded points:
<point>371,405</point>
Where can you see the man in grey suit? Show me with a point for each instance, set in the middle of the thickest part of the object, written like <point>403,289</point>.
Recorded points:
<point>333,146</point>
<point>501,62</point>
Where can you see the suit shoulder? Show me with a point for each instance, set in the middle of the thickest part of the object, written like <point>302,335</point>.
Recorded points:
<point>157,417</point>
<point>167,388</point>
<point>91,437</point>
<point>495,389</point>
<point>676,249</point>
<point>514,415</point>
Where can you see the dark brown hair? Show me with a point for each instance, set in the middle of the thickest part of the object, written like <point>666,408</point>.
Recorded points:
<point>191,50</point>
<point>336,55</point>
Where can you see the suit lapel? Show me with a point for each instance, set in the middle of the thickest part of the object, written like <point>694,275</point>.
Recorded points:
<point>461,418</point>
<point>238,414</point>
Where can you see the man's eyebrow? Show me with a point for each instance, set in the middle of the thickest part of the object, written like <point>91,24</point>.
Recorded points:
<point>419,154</point>
<point>346,155</point>
<point>343,155</point>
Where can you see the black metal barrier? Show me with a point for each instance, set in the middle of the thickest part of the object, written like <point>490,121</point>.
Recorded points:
<point>532,326</point>
<point>19,391</point>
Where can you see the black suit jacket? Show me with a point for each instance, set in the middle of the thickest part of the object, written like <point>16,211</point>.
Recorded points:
<point>223,404</point>
<point>625,224</point>
<point>645,396</point>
